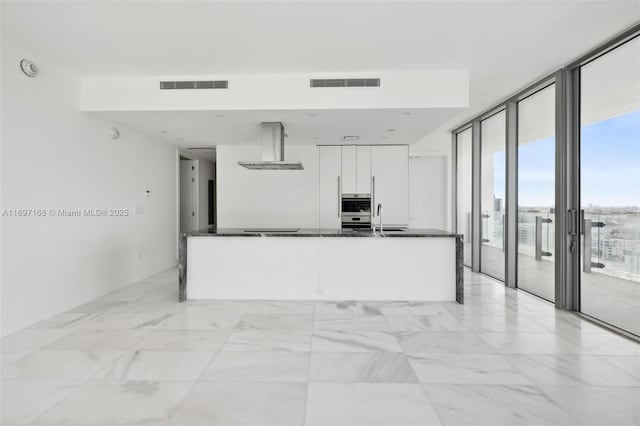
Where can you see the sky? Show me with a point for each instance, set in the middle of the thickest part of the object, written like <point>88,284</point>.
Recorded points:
<point>610,166</point>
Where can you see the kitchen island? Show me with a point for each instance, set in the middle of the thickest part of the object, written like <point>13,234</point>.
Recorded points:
<point>321,264</point>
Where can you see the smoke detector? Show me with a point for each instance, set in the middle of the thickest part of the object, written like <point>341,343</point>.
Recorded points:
<point>114,133</point>
<point>28,68</point>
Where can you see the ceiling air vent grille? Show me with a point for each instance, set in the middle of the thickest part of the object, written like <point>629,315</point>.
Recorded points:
<point>345,82</point>
<point>186,85</point>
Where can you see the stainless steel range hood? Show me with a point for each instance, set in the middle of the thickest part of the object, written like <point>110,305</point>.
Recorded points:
<point>272,150</point>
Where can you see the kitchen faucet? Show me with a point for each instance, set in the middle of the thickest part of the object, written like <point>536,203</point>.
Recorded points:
<point>379,213</point>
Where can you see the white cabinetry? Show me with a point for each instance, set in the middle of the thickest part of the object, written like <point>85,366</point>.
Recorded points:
<point>356,169</point>
<point>390,184</point>
<point>363,169</point>
<point>349,170</point>
<point>330,169</point>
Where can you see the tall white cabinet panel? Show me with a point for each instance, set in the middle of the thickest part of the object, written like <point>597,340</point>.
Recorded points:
<point>349,171</point>
<point>330,170</point>
<point>390,180</point>
<point>363,169</point>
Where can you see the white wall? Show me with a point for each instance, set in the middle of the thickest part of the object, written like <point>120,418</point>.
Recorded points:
<point>439,144</point>
<point>407,89</point>
<point>266,198</point>
<point>428,192</point>
<point>56,157</point>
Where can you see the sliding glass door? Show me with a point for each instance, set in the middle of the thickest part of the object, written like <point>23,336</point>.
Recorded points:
<point>492,194</point>
<point>536,193</point>
<point>464,167</point>
<point>610,187</point>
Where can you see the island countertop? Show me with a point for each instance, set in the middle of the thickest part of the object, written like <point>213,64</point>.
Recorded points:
<point>317,232</point>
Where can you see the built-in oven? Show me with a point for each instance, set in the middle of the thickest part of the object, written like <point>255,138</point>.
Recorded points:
<point>356,210</point>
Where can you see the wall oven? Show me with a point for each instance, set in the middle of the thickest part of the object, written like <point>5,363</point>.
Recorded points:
<point>356,211</point>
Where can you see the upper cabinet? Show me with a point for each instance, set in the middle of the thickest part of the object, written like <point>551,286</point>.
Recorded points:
<point>330,191</point>
<point>349,170</point>
<point>363,169</point>
<point>390,184</point>
<point>356,169</point>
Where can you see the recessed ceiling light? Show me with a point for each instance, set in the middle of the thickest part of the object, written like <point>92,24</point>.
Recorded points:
<point>405,113</point>
<point>350,138</point>
<point>391,130</point>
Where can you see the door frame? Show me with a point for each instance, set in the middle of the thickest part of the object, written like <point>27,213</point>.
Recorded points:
<point>571,288</point>
<point>184,154</point>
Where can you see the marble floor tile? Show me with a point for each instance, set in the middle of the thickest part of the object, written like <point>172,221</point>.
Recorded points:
<point>10,357</point>
<point>414,308</point>
<point>258,367</point>
<point>147,306</point>
<point>365,367</point>
<point>598,406</point>
<point>281,307</point>
<point>200,318</point>
<point>269,340</point>
<point>628,363</point>
<point>503,324</point>
<point>238,307</point>
<point>495,405</point>
<point>441,322</point>
<point>504,358</point>
<point>99,340</point>
<point>59,365</point>
<point>22,401</point>
<point>132,292</point>
<point>530,343</point>
<point>118,403</point>
<point>184,340</point>
<point>354,341</point>
<point>156,365</point>
<point>121,321</point>
<point>101,305</point>
<point>605,344</point>
<point>568,325</point>
<point>230,404</point>
<point>366,322</point>
<point>346,309</point>
<point>302,322</point>
<point>478,310</point>
<point>454,368</point>
<point>30,339</point>
<point>63,320</point>
<point>442,342</point>
<point>368,404</point>
<point>571,370</point>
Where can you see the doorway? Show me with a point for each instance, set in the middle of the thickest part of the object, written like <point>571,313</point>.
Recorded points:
<point>188,195</point>
<point>609,156</point>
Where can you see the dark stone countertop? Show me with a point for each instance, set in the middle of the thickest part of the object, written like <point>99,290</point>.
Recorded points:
<point>313,232</point>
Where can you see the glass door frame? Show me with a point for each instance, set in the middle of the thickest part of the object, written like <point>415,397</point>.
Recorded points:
<point>567,176</point>
<point>572,129</point>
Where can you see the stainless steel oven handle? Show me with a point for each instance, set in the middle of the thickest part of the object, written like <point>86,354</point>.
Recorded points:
<point>339,198</point>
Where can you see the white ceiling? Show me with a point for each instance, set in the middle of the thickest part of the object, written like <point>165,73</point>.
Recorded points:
<point>208,128</point>
<point>504,45</point>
